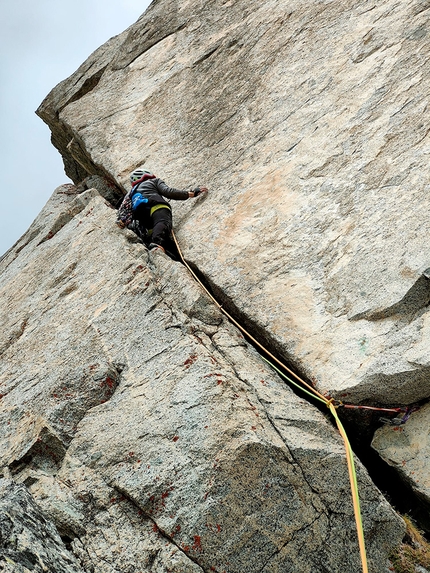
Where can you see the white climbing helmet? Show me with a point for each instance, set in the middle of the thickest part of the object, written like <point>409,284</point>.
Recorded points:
<point>138,174</point>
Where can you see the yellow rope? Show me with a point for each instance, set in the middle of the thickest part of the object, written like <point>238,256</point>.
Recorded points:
<point>354,489</point>
<point>240,327</point>
<point>315,393</point>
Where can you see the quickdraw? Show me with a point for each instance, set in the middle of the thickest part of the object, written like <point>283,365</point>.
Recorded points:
<point>399,421</point>
<point>406,412</point>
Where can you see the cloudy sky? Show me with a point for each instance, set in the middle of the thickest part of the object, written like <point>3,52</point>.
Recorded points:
<point>42,43</point>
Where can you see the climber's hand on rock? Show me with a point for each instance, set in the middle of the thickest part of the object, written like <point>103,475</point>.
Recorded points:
<point>197,191</point>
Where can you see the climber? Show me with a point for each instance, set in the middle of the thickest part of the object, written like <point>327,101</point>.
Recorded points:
<point>145,204</point>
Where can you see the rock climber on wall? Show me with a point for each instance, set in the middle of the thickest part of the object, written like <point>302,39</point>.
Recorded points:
<point>146,204</point>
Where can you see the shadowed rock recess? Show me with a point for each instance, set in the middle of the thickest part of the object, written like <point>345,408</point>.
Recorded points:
<point>133,416</point>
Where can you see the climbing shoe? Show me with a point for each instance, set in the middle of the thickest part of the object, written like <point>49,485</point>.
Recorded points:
<point>155,247</point>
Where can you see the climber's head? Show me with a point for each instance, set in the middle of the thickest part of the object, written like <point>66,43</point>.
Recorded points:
<point>139,174</point>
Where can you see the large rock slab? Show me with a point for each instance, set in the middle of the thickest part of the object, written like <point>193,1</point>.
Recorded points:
<point>308,121</point>
<point>407,448</point>
<point>43,334</point>
<point>148,430</point>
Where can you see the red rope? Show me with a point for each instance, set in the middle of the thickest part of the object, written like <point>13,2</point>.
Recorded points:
<point>353,407</point>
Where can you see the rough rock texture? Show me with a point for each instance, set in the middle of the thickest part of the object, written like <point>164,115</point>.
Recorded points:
<point>28,542</point>
<point>77,164</point>
<point>309,122</point>
<point>408,449</point>
<point>146,428</point>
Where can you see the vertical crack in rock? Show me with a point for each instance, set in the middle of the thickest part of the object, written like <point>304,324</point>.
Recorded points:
<point>159,530</point>
<point>262,336</point>
<point>303,142</point>
<point>360,449</point>
<point>172,387</point>
<point>270,419</point>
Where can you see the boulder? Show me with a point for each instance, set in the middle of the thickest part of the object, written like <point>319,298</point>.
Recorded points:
<point>407,448</point>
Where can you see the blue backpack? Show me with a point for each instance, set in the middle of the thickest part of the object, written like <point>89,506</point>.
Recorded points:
<point>137,200</point>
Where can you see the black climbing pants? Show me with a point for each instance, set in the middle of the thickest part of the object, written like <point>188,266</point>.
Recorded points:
<point>155,228</point>
<point>161,226</point>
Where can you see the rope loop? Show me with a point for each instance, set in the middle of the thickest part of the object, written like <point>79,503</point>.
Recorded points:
<point>333,402</point>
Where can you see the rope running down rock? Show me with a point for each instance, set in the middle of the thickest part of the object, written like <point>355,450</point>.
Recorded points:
<point>329,402</point>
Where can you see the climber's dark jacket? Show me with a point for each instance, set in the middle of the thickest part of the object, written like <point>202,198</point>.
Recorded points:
<point>155,190</point>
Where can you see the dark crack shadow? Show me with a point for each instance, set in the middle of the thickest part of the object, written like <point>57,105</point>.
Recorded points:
<point>168,537</point>
<point>415,300</point>
<point>88,85</point>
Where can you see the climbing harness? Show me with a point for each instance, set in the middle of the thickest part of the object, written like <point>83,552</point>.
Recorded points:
<point>158,206</point>
<point>332,404</point>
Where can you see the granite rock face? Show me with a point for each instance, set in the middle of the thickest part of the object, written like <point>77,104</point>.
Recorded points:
<point>148,431</point>
<point>408,449</point>
<point>28,542</point>
<point>309,122</point>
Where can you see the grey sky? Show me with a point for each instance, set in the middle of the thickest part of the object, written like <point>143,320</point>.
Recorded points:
<point>42,43</point>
